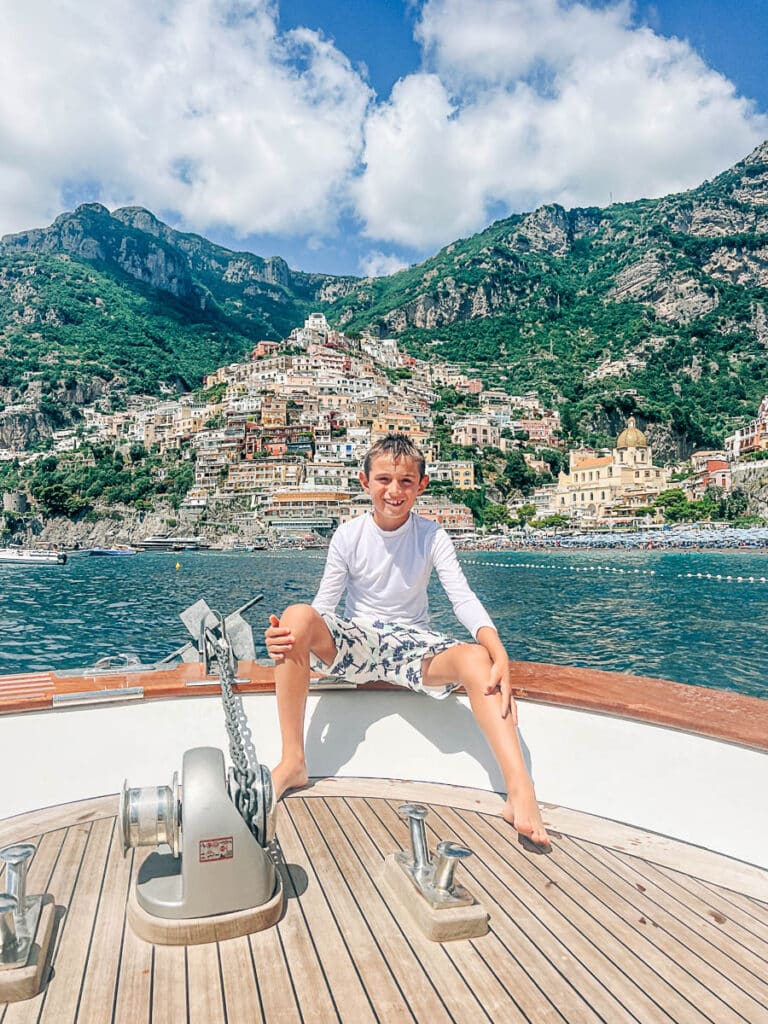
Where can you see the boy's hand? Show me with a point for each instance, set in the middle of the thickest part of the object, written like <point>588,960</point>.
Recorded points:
<point>279,639</point>
<point>499,682</point>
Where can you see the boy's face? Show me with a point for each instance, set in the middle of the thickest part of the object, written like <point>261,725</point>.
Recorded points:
<point>394,485</point>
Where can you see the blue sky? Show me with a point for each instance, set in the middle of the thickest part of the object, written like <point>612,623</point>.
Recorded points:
<point>358,137</point>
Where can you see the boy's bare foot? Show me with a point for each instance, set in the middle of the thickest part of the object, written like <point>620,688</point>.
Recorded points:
<point>524,816</point>
<point>288,775</point>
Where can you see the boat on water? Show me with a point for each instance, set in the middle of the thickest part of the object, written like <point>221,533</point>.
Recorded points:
<point>651,905</point>
<point>121,549</point>
<point>164,543</point>
<point>32,556</point>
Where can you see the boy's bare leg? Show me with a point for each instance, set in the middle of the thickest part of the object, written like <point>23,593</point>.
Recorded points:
<point>470,665</point>
<point>301,631</point>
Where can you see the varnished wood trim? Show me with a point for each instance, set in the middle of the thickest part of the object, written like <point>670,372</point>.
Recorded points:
<point>720,714</point>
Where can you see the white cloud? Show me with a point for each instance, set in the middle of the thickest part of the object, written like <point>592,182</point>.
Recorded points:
<point>205,110</point>
<point>380,264</point>
<point>195,106</point>
<point>530,101</point>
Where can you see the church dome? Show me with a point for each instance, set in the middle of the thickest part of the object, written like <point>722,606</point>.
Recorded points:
<point>631,436</point>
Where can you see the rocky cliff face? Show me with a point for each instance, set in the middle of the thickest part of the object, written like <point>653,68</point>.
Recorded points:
<point>187,266</point>
<point>633,255</point>
<point>662,300</point>
<point>752,478</point>
<point>125,297</point>
<point>90,233</point>
<point>20,428</point>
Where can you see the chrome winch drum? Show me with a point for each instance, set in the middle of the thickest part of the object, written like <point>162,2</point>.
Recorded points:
<point>150,816</point>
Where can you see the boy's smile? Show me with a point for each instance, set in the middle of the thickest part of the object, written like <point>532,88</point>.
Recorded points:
<point>393,485</point>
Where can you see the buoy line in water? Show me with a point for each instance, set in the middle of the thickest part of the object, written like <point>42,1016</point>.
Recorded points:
<point>717,577</point>
<point>721,577</point>
<point>563,568</point>
<point>616,570</point>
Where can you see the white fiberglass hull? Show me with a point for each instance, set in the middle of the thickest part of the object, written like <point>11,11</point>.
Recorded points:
<point>693,788</point>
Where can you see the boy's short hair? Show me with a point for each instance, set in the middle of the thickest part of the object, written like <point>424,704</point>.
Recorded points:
<point>399,446</point>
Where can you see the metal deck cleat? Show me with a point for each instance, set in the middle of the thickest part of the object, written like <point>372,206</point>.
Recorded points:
<point>433,879</point>
<point>19,913</point>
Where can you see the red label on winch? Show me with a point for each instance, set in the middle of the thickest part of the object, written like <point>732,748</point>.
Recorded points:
<point>216,849</point>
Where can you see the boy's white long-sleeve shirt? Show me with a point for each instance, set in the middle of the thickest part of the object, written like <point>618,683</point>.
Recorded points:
<point>386,574</point>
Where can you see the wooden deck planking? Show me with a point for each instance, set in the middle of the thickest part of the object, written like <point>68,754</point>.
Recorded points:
<point>589,932</point>
<point>80,812</point>
<point>582,935</point>
<point>754,907</point>
<point>552,950</point>
<point>278,999</point>
<point>205,994</point>
<point>169,985</point>
<point>77,927</point>
<point>624,933</point>
<point>61,884</point>
<point>134,982</point>
<point>370,951</point>
<point>456,989</point>
<point>241,992</point>
<point>711,968</point>
<point>462,970</point>
<point>704,864</point>
<point>343,978</point>
<point>555,943</point>
<point>98,991</point>
<point>748,924</point>
<point>540,981</point>
<point>701,933</point>
<point>308,980</point>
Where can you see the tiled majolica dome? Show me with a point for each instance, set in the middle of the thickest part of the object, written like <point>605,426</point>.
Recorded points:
<point>631,437</point>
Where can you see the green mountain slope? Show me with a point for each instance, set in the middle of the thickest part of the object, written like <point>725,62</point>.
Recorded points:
<point>124,298</point>
<point>657,307</point>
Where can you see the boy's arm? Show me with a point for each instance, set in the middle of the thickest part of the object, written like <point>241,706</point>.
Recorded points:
<point>466,605</point>
<point>334,579</point>
<point>499,679</point>
<point>471,613</point>
<point>327,597</point>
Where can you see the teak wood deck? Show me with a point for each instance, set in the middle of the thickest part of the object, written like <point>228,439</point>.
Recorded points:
<point>586,933</point>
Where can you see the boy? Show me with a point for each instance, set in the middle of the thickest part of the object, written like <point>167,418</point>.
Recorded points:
<point>384,560</point>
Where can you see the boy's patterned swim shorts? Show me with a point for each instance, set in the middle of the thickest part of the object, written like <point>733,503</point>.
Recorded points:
<point>383,651</point>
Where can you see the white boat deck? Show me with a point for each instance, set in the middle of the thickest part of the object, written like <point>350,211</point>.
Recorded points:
<point>586,933</point>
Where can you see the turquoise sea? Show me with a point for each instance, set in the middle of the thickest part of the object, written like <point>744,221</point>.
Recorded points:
<point>645,612</point>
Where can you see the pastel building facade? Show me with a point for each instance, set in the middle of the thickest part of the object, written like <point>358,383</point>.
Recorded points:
<point>612,485</point>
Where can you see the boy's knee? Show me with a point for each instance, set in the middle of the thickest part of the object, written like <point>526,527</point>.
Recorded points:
<point>477,663</point>
<point>297,614</point>
<point>299,618</point>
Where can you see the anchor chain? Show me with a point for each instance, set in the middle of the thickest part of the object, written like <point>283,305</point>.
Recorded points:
<point>252,802</point>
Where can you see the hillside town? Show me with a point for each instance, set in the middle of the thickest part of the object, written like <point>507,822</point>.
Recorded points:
<point>276,443</point>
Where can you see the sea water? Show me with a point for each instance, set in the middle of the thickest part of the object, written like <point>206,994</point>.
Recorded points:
<point>673,615</point>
